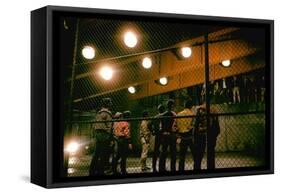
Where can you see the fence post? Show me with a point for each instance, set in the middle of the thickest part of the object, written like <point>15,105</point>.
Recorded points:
<point>207,94</point>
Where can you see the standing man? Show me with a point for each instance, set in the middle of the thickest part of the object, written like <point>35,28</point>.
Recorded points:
<point>213,135</point>
<point>203,93</point>
<point>103,135</point>
<point>185,129</point>
<point>200,137</point>
<point>236,89</point>
<point>122,133</point>
<point>145,135</point>
<point>156,131</point>
<point>217,93</point>
<point>117,117</point>
<point>168,137</point>
<point>224,91</point>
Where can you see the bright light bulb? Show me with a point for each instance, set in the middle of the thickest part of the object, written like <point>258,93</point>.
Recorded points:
<point>146,62</point>
<point>70,170</point>
<point>186,52</point>
<point>130,39</point>
<point>163,80</point>
<point>132,89</point>
<point>226,63</point>
<point>88,52</point>
<point>106,73</point>
<point>72,147</point>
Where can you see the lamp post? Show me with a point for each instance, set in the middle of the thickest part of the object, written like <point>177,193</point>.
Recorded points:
<point>207,97</point>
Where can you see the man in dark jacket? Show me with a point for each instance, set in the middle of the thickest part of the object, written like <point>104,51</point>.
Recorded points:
<point>200,137</point>
<point>168,137</point>
<point>157,128</point>
<point>103,135</point>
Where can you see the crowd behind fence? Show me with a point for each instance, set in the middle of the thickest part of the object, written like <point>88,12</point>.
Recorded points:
<point>240,143</point>
<point>113,141</point>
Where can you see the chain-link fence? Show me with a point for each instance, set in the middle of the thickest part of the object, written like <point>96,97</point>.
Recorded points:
<point>240,143</point>
<point>184,97</point>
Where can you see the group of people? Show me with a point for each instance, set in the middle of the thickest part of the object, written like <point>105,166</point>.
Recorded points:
<point>188,129</point>
<point>236,89</point>
<point>107,135</point>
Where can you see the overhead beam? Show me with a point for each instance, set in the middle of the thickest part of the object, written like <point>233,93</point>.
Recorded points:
<point>127,59</point>
<point>170,66</point>
<point>196,76</point>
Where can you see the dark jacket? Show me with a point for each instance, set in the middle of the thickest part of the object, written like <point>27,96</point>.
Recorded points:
<point>156,125</point>
<point>201,123</point>
<point>168,123</point>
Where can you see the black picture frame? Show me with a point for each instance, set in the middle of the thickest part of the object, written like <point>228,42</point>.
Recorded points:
<point>47,90</point>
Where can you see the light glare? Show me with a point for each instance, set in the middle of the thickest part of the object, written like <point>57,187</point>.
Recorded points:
<point>72,147</point>
<point>186,52</point>
<point>88,52</point>
<point>132,89</point>
<point>147,63</point>
<point>226,63</point>
<point>163,80</point>
<point>106,73</point>
<point>130,39</point>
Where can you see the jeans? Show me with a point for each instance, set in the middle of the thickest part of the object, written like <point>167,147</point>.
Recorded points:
<point>122,153</point>
<point>168,141</point>
<point>156,151</point>
<point>200,143</point>
<point>184,144</point>
<point>102,149</point>
<point>236,94</point>
<point>144,152</point>
<point>211,152</point>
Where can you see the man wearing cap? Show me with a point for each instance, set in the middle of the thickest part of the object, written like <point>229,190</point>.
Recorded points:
<point>103,136</point>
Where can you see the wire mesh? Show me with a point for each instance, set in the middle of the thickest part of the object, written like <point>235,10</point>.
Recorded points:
<point>178,138</point>
<point>240,143</point>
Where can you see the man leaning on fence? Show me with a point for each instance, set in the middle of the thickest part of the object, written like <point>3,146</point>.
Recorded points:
<point>103,136</point>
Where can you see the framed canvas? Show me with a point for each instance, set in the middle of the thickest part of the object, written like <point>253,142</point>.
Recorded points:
<point>125,96</point>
